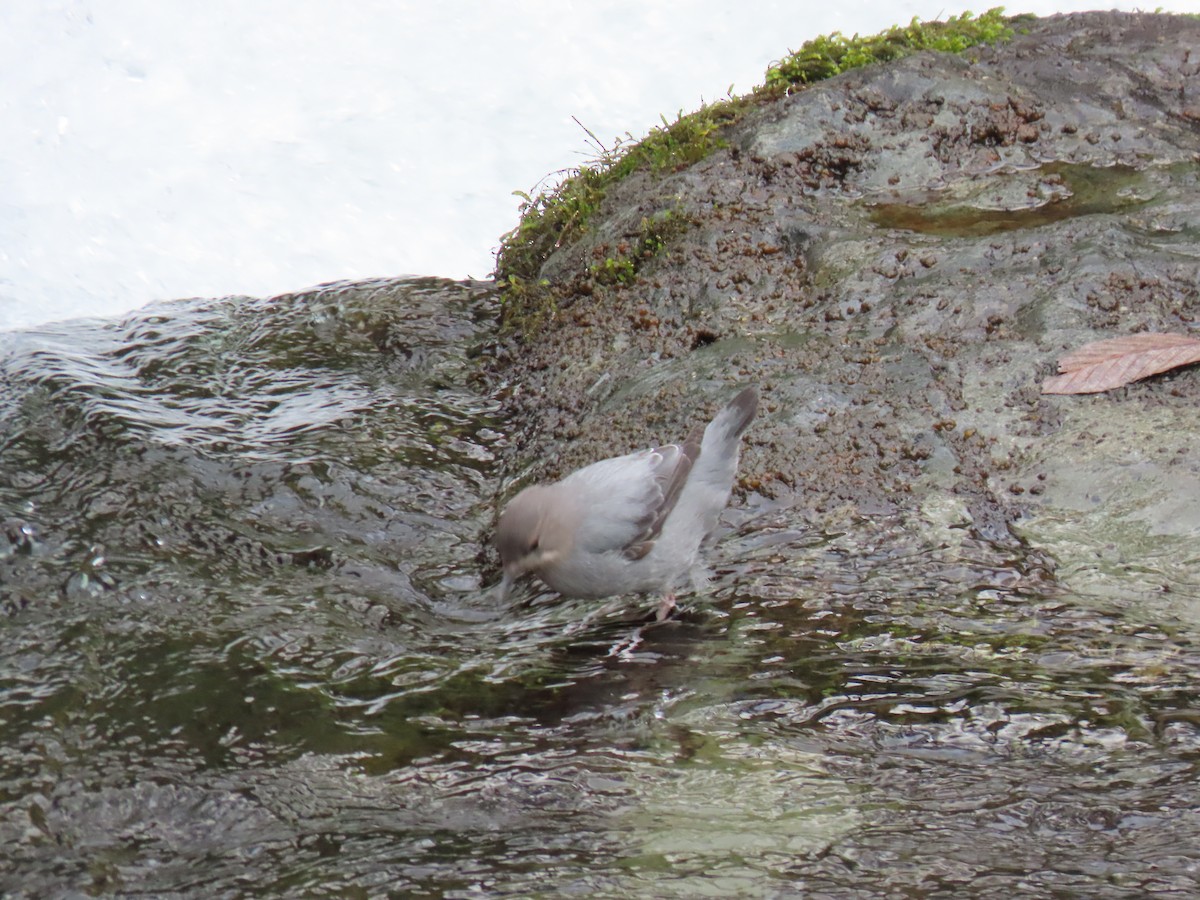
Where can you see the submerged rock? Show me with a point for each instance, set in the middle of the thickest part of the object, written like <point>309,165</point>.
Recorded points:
<point>898,256</point>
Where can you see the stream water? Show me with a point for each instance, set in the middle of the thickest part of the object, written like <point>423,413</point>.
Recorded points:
<point>246,650</point>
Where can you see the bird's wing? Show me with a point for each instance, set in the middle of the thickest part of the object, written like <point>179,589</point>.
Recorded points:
<point>627,499</point>
<point>671,484</point>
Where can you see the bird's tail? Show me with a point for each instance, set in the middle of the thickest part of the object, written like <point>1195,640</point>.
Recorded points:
<point>733,419</point>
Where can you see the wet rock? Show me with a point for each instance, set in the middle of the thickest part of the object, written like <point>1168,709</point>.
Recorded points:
<point>898,256</point>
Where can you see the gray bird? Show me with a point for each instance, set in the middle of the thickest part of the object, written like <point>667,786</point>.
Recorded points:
<point>631,523</point>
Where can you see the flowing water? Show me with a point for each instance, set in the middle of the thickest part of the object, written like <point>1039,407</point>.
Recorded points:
<point>247,651</point>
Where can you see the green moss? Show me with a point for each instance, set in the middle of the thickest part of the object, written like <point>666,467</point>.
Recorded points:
<point>613,270</point>
<point>551,220</point>
<point>833,54</point>
<point>654,234</point>
<point>560,216</point>
<point>526,304</point>
<point>529,303</point>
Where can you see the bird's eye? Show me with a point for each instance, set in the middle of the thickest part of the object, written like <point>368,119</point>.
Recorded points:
<point>533,547</point>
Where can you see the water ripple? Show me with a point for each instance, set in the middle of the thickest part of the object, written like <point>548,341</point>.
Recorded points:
<point>246,647</point>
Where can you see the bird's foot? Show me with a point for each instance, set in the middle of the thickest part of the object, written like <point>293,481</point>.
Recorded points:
<point>664,607</point>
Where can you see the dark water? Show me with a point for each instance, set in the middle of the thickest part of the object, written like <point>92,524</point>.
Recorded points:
<point>245,652</point>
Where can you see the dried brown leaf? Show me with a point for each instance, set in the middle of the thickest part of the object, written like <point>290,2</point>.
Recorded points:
<point>1108,364</point>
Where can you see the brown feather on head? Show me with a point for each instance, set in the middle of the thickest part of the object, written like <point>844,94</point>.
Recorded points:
<point>529,535</point>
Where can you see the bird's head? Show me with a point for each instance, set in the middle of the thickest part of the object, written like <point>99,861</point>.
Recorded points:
<point>531,534</point>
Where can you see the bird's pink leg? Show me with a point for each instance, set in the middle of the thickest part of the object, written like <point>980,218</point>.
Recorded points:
<point>665,606</point>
